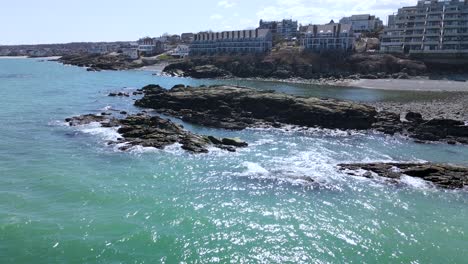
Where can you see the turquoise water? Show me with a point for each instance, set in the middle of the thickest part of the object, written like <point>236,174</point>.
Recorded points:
<point>67,197</point>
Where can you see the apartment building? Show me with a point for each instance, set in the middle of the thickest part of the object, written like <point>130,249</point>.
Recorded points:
<point>363,23</point>
<point>284,29</point>
<point>228,42</point>
<point>429,27</point>
<point>331,36</point>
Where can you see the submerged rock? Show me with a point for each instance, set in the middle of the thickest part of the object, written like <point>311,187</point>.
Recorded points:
<point>442,175</point>
<point>154,131</point>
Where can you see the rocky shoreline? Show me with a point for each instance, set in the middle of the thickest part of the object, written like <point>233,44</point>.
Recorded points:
<point>452,106</point>
<point>285,64</point>
<point>111,62</point>
<point>441,175</point>
<point>237,108</point>
<point>156,132</point>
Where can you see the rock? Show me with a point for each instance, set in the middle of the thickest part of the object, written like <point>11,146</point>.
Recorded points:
<point>442,175</point>
<point>414,117</point>
<point>237,108</point>
<point>401,75</point>
<point>236,142</point>
<point>156,132</point>
<point>369,76</point>
<point>85,119</point>
<point>101,62</point>
<point>208,71</point>
<point>123,112</point>
<point>215,140</point>
<point>120,94</point>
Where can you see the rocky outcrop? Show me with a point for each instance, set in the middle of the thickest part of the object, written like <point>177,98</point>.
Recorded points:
<point>156,132</point>
<point>414,126</point>
<point>100,62</point>
<point>293,63</point>
<point>441,175</point>
<point>238,108</point>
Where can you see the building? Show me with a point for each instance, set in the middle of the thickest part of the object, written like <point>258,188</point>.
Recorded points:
<point>285,29</point>
<point>228,42</point>
<point>131,53</point>
<point>391,21</point>
<point>150,46</point>
<point>98,49</point>
<point>363,23</point>
<point>181,51</point>
<point>429,27</point>
<point>187,37</point>
<point>331,36</point>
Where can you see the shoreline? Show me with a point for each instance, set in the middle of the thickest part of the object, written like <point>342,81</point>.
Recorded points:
<point>417,85</point>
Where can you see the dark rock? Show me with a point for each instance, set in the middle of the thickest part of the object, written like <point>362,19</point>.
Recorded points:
<point>238,108</point>
<point>208,71</point>
<point>123,112</point>
<point>442,175</point>
<point>414,117</point>
<point>120,94</point>
<point>236,142</point>
<point>147,131</point>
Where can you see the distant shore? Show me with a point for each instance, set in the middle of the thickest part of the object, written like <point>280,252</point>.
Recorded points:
<point>27,57</point>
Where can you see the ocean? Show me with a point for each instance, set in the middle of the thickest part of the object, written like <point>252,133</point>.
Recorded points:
<point>66,196</point>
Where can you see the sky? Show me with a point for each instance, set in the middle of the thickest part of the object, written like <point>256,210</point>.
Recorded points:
<point>63,21</point>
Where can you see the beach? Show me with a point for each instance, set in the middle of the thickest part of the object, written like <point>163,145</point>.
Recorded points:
<point>420,84</point>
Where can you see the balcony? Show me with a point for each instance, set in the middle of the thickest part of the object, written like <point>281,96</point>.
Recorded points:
<point>388,44</point>
<point>431,42</point>
<point>451,33</point>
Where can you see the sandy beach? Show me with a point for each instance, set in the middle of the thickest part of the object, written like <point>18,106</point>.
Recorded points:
<point>410,85</point>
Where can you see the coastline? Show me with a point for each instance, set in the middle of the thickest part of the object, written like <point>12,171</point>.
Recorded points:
<point>420,84</point>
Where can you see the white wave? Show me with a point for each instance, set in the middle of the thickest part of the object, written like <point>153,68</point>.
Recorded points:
<point>105,133</point>
<point>106,108</point>
<point>415,182</point>
<point>254,169</point>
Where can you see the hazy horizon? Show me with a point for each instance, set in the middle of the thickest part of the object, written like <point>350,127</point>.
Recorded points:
<point>53,21</point>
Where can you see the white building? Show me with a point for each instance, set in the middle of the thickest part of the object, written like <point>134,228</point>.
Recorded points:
<point>181,51</point>
<point>131,53</point>
<point>331,36</point>
<point>98,49</point>
<point>363,23</point>
<point>227,42</point>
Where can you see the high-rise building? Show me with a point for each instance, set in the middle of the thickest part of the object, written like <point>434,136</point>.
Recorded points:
<point>429,27</point>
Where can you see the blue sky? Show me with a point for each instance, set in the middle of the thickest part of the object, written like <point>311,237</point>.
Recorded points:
<point>60,21</point>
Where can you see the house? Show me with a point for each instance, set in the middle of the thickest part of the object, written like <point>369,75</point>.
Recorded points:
<point>131,53</point>
<point>98,49</point>
<point>181,51</point>
<point>284,29</point>
<point>331,36</point>
<point>230,42</point>
<point>363,23</point>
<point>430,27</point>
<point>150,46</point>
